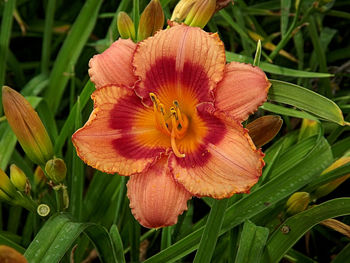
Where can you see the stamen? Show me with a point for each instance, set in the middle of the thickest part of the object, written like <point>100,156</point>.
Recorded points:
<point>173,142</point>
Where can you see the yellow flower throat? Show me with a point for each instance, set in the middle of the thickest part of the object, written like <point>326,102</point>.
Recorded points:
<point>173,124</point>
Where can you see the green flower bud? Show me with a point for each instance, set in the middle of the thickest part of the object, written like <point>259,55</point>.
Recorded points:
<point>56,170</point>
<point>6,186</point>
<point>297,202</point>
<point>151,20</point>
<point>125,25</point>
<point>39,177</point>
<point>327,188</point>
<point>19,179</point>
<point>27,126</point>
<point>200,13</point>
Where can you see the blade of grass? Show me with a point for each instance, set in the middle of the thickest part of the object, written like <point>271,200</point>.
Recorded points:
<point>211,232</point>
<point>117,243</point>
<point>46,51</point>
<point>136,16</point>
<point>5,35</point>
<point>70,51</point>
<point>252,243</point>
<point>287,111</point>
<point>285,6</point>
<point>77,175</point>
<point>325,87</point>
<point>166,237</point>
<point>274,69</point>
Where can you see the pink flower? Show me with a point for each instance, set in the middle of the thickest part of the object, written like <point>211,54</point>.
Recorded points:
<point>167,113</point>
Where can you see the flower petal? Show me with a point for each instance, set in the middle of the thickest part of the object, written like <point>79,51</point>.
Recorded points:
<point>156,199</point>
<point>120,135</point>
<point>242,90</point>
<point>227,162</point>
<point>177,60</point>
<point>114,65</point>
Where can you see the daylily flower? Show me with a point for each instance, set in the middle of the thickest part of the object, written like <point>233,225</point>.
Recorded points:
<point>167,113</point>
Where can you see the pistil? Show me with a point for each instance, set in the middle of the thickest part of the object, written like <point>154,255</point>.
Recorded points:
<point>176,128</point>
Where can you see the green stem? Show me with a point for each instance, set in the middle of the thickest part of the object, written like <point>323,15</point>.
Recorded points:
<point>290,31</point>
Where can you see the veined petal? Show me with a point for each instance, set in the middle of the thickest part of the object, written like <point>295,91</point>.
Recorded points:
<point>242,90</point>
<point>114,65</point>
<point>120,135</point>
<point>226,163</point>
<point>156,199</point>
<point>177,62</point>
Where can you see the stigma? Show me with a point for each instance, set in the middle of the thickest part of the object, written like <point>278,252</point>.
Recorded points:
<point>173,122</point>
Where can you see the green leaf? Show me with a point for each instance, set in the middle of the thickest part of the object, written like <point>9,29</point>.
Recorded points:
<point>211,232</point>
<point>5,36</point>
<point>274,69</point>
<point>257,54</point>
<point>77,174</point>
<point>287,111</point>
<point>70,51</point>
<point>7,145</point>
<point>305,99</point>
<point>296,226</point>
<point>252,243</point>
<point>117,243</point>
<point>58,234</point>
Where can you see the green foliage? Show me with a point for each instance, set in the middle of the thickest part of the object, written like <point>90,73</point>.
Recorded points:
<point>309,72</point>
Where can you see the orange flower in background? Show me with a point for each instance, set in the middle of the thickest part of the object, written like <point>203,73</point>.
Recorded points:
<point>167,113</point>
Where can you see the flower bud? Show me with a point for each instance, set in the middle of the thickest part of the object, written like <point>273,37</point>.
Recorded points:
<point>39,177</point>
<point>182,9</point>
<point>264,129</point>
<point>327,188</point>
<point>125,25</point>
<point>56,170</point>
<point>220,4</point>
<point>297,202</point>
<point>6,185</point>
<point>10,255</point>
<point>27,126</point>
<point>151,20</point>
<point>200,13</point>
<point>19,179</point>
<point>308,128</point>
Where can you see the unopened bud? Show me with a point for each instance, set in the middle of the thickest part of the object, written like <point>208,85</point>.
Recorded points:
<point>182,9</point>
<point>6,185</point>
<point>19,179</point>
<point>308,128</point>
<point>39,177</point>
<point>264,129</point>
<point>151,20</point>
<point>297,202</point>
<point>56,170</point>
<point>10,255</point>
<point>125,25</point>
<point>327,188</point>
<point>220,4</point>
<point>27,126</point>
<point>200,13</point>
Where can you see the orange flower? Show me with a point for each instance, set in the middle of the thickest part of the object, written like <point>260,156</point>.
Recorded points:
<point>167,113</point>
